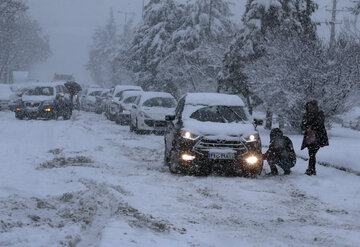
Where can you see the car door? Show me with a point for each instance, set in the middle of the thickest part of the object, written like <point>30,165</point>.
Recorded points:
<point>134,110</point>
<point>173,127</point>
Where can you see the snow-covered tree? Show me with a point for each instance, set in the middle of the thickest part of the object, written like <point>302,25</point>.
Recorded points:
<point>179,47</point>
<point>264,21</point>
<point>22,43</point>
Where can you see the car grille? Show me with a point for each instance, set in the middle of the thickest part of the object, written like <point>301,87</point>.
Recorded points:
<point>205,145</point>
<point>155,123</point>
<point>30,104</point>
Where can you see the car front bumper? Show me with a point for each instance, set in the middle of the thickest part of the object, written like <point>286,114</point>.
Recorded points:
<point>196,160</point>
<point>41,112</point>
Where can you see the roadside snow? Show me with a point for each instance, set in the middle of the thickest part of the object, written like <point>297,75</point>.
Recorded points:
<point>89,182</point>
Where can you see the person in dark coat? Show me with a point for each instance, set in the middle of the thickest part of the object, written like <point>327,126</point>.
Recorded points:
<point>315,136</point>
<point>280,153</point>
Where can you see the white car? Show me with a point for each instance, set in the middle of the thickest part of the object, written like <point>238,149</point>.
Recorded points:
<point>6,95</point>
<point>112,104</point>
<point>126,101</point>
<point>88,100</point>
<point>149,111</point>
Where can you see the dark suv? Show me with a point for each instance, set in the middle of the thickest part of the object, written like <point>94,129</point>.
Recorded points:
<point>212,132</point>
<point>45,100</point>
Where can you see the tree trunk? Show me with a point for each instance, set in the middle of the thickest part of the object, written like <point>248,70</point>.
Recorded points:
<point>281,122</point>
<point>269,116</point>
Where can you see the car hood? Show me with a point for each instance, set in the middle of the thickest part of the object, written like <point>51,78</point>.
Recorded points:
<point>158,113</point>
<point>28,98</point>
<point>219,130</point>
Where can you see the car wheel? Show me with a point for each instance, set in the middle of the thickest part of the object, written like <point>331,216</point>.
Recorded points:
<point>19,117</point>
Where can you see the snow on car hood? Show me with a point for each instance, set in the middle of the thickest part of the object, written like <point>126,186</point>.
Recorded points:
<point>219,130</point>
<point>37,98</point>
<point>158,113</point>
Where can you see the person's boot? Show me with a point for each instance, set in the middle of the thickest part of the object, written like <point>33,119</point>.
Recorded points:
<point>273,170</point>
<point>308,172</point>
<point>287,172</point>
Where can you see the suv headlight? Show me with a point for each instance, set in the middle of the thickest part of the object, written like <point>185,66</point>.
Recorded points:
<point>252,138</point>
<point>188,135</point>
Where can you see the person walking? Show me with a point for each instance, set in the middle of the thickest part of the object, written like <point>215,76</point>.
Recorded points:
<point>280,153</point>
<point>315,135</point>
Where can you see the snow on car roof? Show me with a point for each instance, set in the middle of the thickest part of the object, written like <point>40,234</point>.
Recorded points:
<point>119,88</point>
<point>213,99</point>
<point>149,95</point>
<point>127,94</point>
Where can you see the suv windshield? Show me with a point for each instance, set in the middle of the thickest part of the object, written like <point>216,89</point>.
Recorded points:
<point>41,91</point>
<point>220,114</point>
<point>160,102</point>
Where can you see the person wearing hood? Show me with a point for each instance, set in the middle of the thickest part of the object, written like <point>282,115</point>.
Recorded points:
<point>280,153</point>
<point>315,135</point>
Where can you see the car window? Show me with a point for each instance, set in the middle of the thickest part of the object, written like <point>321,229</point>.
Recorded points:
<point>41,91</point>
<point>160,102</point>
<point>220,114</point>
<point>130,100</point>
<point>58,89</point>
<point>137,101</point>
<point>64,89</point>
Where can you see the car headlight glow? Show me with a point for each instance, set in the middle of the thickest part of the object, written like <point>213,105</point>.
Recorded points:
<point>252,160</point>
<point>252,138</point>
<point>48,109</point>
<point>187,157</point>
<point>188,135</point>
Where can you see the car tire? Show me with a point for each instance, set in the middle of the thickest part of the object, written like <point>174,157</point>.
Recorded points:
<point>20,118</point>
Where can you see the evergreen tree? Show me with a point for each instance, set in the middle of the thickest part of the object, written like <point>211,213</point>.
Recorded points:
<point>103,53</point>
<point>178,48</point>
<point>22,42</point>
<point>263,21</point>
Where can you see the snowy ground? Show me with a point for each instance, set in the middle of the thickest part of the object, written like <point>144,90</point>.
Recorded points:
<point>89,182</point>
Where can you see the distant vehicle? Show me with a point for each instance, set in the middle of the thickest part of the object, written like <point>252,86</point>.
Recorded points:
<point>149,111</point>
<point>101,101</point>
<point>19,90</point>
<point>126,101</point>
<point>88,99</point>
<point>112,103</point>
<point>45,100</point>
<point>6,95</point>
<point>212,132</point>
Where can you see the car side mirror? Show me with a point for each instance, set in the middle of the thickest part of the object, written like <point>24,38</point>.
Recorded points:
<point>258,122</point>
<point>170,117</point>
<point>134,106</point>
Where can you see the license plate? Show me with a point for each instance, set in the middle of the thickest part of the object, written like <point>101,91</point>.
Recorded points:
<point>221,156</point>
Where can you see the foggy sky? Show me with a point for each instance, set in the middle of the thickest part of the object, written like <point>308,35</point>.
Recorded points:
<point>70,25</point>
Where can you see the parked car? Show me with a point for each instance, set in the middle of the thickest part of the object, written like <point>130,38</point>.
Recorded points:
<point>45,100</point>
<point>101,101</point>
<point>126,101</point>
<point>149,111</point>
<point>6,95</point>
<point>88,98</point>
<point>212,132</point>
<point>112,103</point>
<point>19,91</point>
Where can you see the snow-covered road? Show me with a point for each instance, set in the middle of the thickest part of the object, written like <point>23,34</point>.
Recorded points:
<point>89,182</point>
